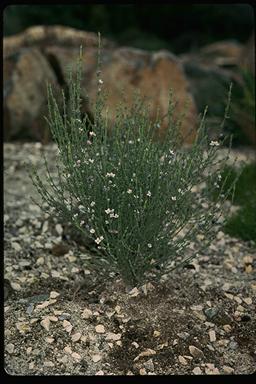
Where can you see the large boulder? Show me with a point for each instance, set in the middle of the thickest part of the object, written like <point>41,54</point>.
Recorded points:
<point>25,94</point>
<point>128,69</point>
<point>50,50</point>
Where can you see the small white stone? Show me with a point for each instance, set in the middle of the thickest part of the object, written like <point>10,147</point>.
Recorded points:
<point>197,371</point>
<point>228,369</point>
<point>54,294</point>
<point>99,373</point>
<point>67,325</point>
<point>134,292</point>
<point>9,348</point>
<point>40,261</point>
<point>87,313</point>
<point>49,340</point>
<point>100,328</point>
<point>16,286</point>
<point>16,246</point>
<point>59,229</point>
<point>76,356</point>
<point>68,350</point>
<point>156,333</point>
<point>212,335</point>
<point>48,364</point>
<point>96,358</point>
<point>29,350</point>
<point>182,360</point>
<point>45,323</point>
<point>248,300</point>
<point>195,352</point>
<point>76,337</point>
<point>113,336</point>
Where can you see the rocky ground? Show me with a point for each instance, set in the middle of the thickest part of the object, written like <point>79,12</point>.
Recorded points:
<point>60,318</point>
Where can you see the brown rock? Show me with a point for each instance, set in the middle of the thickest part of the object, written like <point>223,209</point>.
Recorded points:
<point>153,74</point>
<point>59,249</point>
<point>25,102</point>
<point>58,35</point>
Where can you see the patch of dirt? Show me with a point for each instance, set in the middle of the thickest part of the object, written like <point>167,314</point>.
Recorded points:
<point>61,318</point>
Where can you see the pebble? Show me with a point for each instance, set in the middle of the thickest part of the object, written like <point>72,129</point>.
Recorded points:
<point>16,246</point>
<point>99,373</point>
<point>113,336</point>
<point>76,337</point>
<point>136,345</point>
<point>100,328</point>
<point>227,328</point>
<point>76,356</point>
<point>96,358</point>
<point>156,334</point>
<point>54,294</point>
<point>48,364</point>
<point>67,325</point>
<point>195,352</point>
<point>149,365</point>
<point>40,261</point>
<point>197,371</point>
<point>68,350</point>
<point>142,371</point>
<point>9,348</point>
<point>31,365</point>
<point>59,229</point>
<point>49,340</point>
<point>134,292</point>
<point>16,286</point>
<point>87,313</point>
<point>211,312</point>
<point>247,300</point>
<point>46,323</point>
<point>29,350</point>
<point>212,335</point>
<point>182,360</point>
<point>147,352</point>
<point>228,369</point>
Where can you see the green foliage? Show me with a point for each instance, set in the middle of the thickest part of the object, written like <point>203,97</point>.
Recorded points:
<point>243,223</point>
<point>130,193</point>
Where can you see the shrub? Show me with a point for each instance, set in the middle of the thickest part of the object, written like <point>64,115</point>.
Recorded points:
<point>242,224</point>
<point>132,194</point>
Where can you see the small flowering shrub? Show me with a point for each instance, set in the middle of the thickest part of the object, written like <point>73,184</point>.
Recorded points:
<point>135,196</point>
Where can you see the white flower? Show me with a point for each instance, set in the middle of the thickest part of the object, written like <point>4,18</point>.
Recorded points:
<point>68,175</point>
<point>89,142</point>
<point>149,193</point>
<point>92,204</point>
<point>99,239</point>
<point>91,133</point>
<point>171,152</point>
<point>158,125</point>
<point>106,221</point>
<point>75,215</point>
<point>219,177</point>
<point>78,120</point>
<point>108,211</point>
<point>214,143</point>
<point>138,140</point>
<point>91,161</point>
<point>179,190</point>
<point>149,245</point>
<point>129,191</point>
<point>134,174</point>
<point>100,81</point>
<point>92,230</point>
<point>173,198</point>
<point>81,222</point>
<point>130,142</point>
<point>81,207</point>
<point>110,174</point>
<point>99,89</point>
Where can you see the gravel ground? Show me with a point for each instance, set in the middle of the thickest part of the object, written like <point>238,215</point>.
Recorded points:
<point>62,319</point>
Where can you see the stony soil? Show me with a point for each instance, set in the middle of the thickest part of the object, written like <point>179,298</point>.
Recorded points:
<point>63,319</point>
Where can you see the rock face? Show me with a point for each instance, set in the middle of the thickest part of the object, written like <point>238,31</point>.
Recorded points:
<point>43,53</point>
